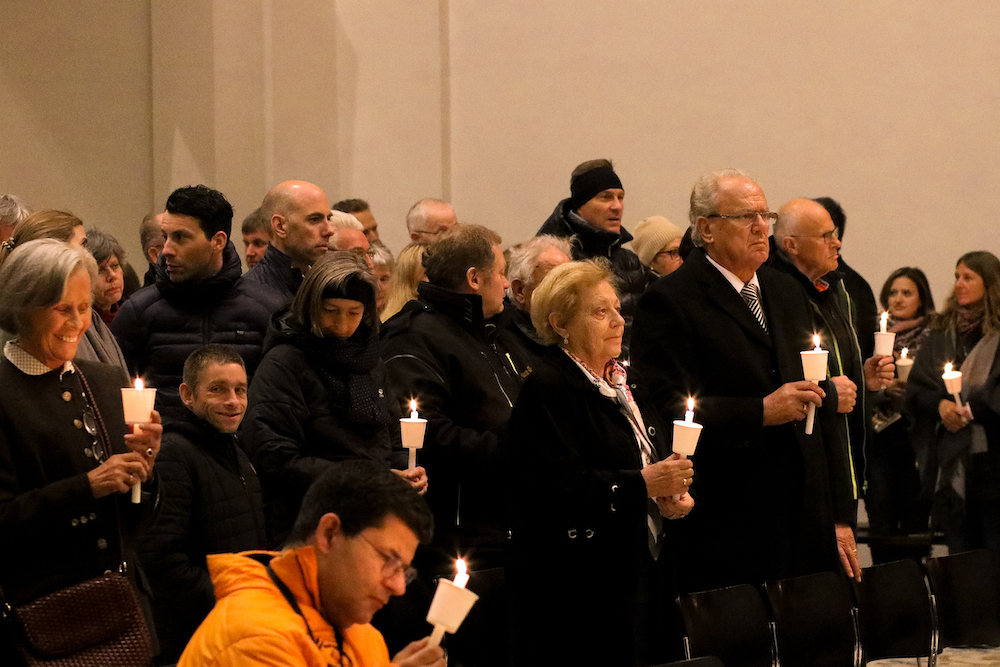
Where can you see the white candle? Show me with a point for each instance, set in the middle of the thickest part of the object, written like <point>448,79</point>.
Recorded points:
<point>885,321</point>
<point>816,347</point>
<point>413,409</point>
<point>462,573</point>
<point>903,352</point>
<point>953,383</point>
<point>137,405</point>
<point>814,368</point>
<point>689,413</point>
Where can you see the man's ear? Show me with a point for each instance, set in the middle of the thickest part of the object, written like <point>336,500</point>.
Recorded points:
<point>517,289</point>
<point>473,279</point>
<point>788,243</point>
<point>219,240</point>
<point>279,226</point>
<point>187,395</point>
<point>153,254</point>
<point>705,229</point>
<point>328,532</point>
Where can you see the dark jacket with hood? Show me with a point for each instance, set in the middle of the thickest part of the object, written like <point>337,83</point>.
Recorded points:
<point>439,350</point>
<point>589,242</point>
<point>161,325</point>
<point>313,401</point>
<point>211,503</point>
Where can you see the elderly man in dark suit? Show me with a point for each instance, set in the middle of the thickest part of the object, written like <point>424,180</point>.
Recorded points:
<point>773,502</point>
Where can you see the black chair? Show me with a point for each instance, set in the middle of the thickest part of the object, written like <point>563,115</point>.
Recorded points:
<point>896,614</point>
<point>814,623</point>
<point>966,587</point>
<point>707,661</point>
<point>728,623</point>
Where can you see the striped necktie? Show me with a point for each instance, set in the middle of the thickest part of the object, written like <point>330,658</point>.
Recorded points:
<point>752,297</point>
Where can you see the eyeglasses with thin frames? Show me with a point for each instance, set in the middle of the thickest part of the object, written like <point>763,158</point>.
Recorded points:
<point>748,218</point>
<point>392,565</point>
<point>828,238</point>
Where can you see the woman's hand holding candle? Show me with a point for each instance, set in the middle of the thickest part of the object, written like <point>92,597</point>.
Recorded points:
<point>671,476</point>
<point>879,372</point>
<point>953,416</point>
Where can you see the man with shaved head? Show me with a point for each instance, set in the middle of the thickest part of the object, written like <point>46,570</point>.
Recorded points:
<point>806,247</point>
<point>299,213</point>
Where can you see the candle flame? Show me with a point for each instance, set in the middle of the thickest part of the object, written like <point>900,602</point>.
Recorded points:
<point>413,405</point>
<point>947,367</point>
<point>690,403</point>
<point>138,383</point>
<point>885,316</point>
<point>816,340</point>
<point>460,567</point>
<point>903,352</point>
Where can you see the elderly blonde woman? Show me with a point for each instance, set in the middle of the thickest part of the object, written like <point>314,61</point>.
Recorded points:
<point>592,481</point>
<point>66,463</point>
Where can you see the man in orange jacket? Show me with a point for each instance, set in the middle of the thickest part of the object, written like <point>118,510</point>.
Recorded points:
<point>312,604</point>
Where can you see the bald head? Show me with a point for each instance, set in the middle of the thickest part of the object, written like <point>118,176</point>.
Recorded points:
<point>428,218</point>
<point>806,233</point>
<point>299,213</point>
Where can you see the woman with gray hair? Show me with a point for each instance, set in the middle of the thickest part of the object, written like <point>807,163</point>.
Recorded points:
<point>318,397</point>
<point>65,459</point>
<point>592,481</point>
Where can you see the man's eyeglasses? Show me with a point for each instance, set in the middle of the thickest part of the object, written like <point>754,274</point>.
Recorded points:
<point>828,238</point>
<point>361,252</point>
<point>748,218</point>
<point>392,565</point>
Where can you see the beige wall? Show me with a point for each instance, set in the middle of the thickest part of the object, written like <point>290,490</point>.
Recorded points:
<point>75,110</point>
<point>887,107</point>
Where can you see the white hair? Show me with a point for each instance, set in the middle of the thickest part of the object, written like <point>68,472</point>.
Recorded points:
<point>523,258</point>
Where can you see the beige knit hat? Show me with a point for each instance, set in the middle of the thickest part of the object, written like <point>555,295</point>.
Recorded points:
<point>652,235</point>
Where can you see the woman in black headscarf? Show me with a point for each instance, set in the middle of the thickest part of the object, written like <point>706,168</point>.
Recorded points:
<point>318,397</point>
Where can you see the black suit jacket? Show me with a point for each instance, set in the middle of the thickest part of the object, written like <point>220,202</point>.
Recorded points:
<point>767,496</point>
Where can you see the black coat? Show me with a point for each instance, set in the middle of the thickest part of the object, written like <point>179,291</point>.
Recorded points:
<point>439,350</point>
<point>275,271</point>
<point>53,531</point>
<point>160,326</point>
<point>211,503</point>
<point>579,501</point>
<point>589,242</point>
<point>767,495</point>
<point>297,424</point>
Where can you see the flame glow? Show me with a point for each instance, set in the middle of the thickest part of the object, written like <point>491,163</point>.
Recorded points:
<point>413,405</point>
<point>947,367</point>
<point>138,383</point>
<point>815,340</point>
<point>690,403</point>
<point>903,352</point>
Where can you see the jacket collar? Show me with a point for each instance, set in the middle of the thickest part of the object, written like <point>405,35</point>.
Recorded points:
<point>588,241</point>
<point>465,309</point>
<point>204,292</point>
<point>718,288</point>
<point>780,260</point>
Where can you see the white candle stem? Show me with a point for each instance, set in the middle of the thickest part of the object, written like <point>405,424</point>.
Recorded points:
<point>137,487</point>
<point>436,636</point>
<point>677,496</point>
<point>413,459</point>
<point>810,418</point>
<point>958,399</point>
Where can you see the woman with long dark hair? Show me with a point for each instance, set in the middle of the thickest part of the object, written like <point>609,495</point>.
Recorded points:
<point>959,443</point>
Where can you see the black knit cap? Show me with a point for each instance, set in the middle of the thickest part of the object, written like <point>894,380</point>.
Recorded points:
<point>354,288</point>
<point>590,183</point>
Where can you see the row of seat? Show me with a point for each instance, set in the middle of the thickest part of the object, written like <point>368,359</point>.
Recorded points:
<point>899,610</point>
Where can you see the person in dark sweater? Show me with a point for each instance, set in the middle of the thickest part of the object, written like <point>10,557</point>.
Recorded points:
<point>211,501</point>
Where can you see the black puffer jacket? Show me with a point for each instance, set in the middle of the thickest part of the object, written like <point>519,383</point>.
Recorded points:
<point>313,401</point>
<point>590,242</point>
<point>439,350</point>
<point>161,325</point>
<point>275,270</point>
<point>210,503</point>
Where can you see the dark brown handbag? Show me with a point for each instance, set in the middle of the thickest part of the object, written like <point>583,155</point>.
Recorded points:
<point>95,623</point>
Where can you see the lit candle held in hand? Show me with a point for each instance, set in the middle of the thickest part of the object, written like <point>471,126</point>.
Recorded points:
<point>412,431</point>
<point>953,383</point>
<point>686,435</point>
<point>452,602</point>
<point>137,404</point>
<point>904,364</point>
<point>814,365</point>
<point>884,339</point>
